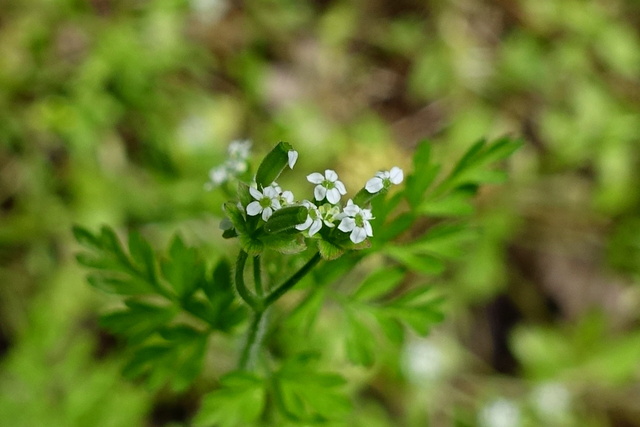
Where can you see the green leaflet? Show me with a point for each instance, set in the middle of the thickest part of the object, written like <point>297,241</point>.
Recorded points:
<point>273,164</point>
<point>304,394</point>
<point>238,402</point>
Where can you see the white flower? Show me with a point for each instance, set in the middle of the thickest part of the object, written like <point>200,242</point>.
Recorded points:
<point>327,186</point>
<point>236,163</point>
<point>356,220</point>
<point>266,202</point>
<point>286,198</point>
<point>313,221</point>
<point>293,158</point>
<point>317,216</point>
<point>239,149</point>
<point>500,413</point>
<point>384,179</point>
<point>218,175</point>
<point>552,400</point>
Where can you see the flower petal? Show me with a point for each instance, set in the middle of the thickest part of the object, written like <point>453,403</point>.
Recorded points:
<point>333,195</point>
<point>271,192</point>
<point>315,178</point>
<point>287,196</point>
<point>306,224</point>
<point>331,175</point>
<point>315,227</point>
<point>358,235</point>
<point>319,192</point>
<point>266,213</point>
<point>293,158</point>
<point>396,175</point>
<point>340,186</point>
<point>254,208</point>
<point>255,193</point>
<point>351,209</point>
<point>368,229</point>
<point>374,185</point>
<point>347,224</point>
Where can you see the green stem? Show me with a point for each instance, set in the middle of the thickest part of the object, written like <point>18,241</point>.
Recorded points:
<point>245,294</point>
<point>252,344</point>
<point>282,289</point>
<point>257,276</point>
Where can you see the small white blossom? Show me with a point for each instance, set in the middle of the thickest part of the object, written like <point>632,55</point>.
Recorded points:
<point>218,175</point>
<point>327,186</point>
<point>325,214</point>
<point>313,221</point>
<point>384,179</point>
<point>552,400</point>
<point>267,201</point>
<point>293,158</point>
<point>423,361</point>
<point>236,163</point>
<point>286,198</point>
<point>356,220</point>
<point>239,149</point>
<point>500,413</point>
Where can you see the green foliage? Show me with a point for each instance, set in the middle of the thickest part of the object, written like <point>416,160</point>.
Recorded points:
<point>305,395</point>
<point>239,401</point>
<point>273,164</point>
<point>171,304</point>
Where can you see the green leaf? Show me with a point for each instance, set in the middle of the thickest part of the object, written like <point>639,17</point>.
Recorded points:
<point>444,240</point>
<point>184,270</point>
<point>177,361</point>
<point>142,253</point>
<point>379,283</point>
<point>112,284</point>
<point>304,315</point>
<point>419,309</point>
<point>273,164</point>
<point>328,250</point>
<point>455,203</point>
<point>423,175</point>
<point>138,321</point>
<point>391,327</point>
<point>286,219</point>
<point>236,217</point>
<point>238,402</point>
<point>284,243</point>
<point>85,238</point>
<point>251,245</point>
<point>305,395</point>
<point>386,232</point>
<point>97,261</point>
<point>416,261</point>
<point>110,242</point>
<point>360,342</point>
<point>472,167</point>
<point>221,280</point>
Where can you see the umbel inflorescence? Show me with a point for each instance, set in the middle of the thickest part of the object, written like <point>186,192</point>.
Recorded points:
<point>264,210</point>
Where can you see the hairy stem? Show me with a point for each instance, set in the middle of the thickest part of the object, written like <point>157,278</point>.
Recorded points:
<point>245,294</point>
<point>282,289</point>
<point>253,341</point>
<point>257,276</point>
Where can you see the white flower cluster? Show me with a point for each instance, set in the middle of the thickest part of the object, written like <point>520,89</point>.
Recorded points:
<point>237,163</point>
<point>326,211</point>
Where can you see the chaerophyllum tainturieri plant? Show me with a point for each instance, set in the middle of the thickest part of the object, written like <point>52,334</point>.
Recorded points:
<point>266,217</point>
<point>172,304</point>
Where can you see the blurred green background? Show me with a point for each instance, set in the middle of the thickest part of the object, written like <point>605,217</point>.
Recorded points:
<point>113,112</point>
